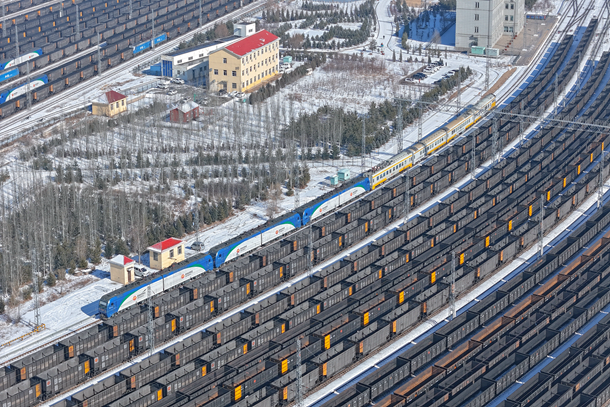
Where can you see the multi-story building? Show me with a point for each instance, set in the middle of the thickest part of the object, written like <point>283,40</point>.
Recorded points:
<point>473,25</point>
<point>245,64</point>
<point>191,64</point>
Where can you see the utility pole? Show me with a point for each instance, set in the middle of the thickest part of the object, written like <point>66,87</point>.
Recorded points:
<point>152,39</point>
<point>37,318</point>
<point>299,401</point>
<point>522,127</point>
<point>407,195</point>
<point>541,243</point>
<point>151,323</point>
<point>473,156</point>
<point>27,89</point>
<point>363,144</point>
<point>578,70</point>
<point>200,14</point>
<point>494,140</point>
<point>555,95</point>
<point>16,42</point>
<point>421,118</point>
<point>452,310</point>
<point>3,20</point>
<point>489,44</point>
<point>600,190</point>
<point>297,199</point>
<point>459,90</point>
<point>99,56</point>
<point>399,127</point>
<point>77,23</point>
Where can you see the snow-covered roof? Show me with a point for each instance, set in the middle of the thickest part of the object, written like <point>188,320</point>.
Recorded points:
<point>187,106</point>
<point>111,97</point>
<point>166,244</point>
<point>121,260</point>
<point>251,43</point>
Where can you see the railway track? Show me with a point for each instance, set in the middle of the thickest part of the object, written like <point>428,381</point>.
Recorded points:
<point>333,273</point>
<point>380,207</point>
<point>14,124</point>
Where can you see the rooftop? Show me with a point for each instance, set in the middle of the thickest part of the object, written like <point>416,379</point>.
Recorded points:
<point>166,244</point>
<point>219,41</point>
<point>249,44</point>
<point>185,107</point>
<point>111,97</point>
<point>121,260</point>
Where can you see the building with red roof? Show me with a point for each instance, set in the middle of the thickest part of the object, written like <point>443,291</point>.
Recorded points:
<point>245,64</point>
<point>109,104</point>
<point>121,269</point>
<point>166,253</point>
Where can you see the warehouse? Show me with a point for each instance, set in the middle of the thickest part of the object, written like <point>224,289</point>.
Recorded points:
<point>245,64</point>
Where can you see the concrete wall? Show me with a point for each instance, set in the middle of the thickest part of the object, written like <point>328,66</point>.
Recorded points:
<point>472,25</point>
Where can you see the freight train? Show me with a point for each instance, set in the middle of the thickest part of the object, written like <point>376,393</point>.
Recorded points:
<point>50,35</point>
<point>21,59</point>
<point>137,292</point>
<point>344,310</point>
<point>11,94</point>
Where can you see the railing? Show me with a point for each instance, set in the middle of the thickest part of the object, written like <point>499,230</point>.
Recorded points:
<point>37,329</point>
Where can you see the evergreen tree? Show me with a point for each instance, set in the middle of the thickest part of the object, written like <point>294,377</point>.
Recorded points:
<point>393,56</point>
<point>96,255</point>
<point>51,280</point>
<point>109,249</point>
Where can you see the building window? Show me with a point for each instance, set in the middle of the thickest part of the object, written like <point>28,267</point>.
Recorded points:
<point>123,102</point>
<point>476,17</point>
<point>234,85</point>
<point>171,254</point>
<point>242,72</point>
<point>234,73</point>
<point>224,60</point>
<point>505,18</point>
<point>156,256</point>
<point>190,58</point>
<point>512,6</point>
<point>179,61</point>
<point>511,18</point>
<point>215,71</point>
<point>476,29</point>
<point>225,72</point>
<point>476,4</point>
<point>180,247</point>
<point>506,6</point>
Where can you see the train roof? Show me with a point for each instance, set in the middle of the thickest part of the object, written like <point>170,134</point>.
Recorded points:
<point>155,276</point>
<point>252,232</point>
<point>330,194</point>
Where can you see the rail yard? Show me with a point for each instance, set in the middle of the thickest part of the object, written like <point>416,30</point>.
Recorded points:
<point>266,324</point>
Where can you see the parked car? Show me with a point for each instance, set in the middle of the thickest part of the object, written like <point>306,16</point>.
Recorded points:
<point>222,92</point>
<point>178,81</point>
<point>172,92</point>
<point>197,246</point>
<point>162,86</point>
<point>140,270</point>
